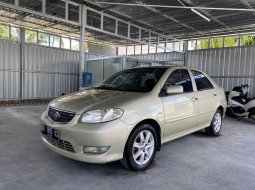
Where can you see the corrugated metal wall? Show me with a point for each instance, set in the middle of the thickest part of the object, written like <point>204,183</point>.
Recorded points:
<point>229,67</point>
<point>9,70</point>
<point>103,68</point>
<point>172,57</point>
<point>47,72</point>
<point>97,70</point>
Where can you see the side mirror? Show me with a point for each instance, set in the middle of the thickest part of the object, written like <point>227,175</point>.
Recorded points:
<point>178,89</point>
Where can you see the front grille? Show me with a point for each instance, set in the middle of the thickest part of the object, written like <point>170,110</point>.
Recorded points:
<point>65,145</point>
<point>60,116</point>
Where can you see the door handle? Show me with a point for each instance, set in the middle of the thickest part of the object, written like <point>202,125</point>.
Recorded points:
<point>194,99</point>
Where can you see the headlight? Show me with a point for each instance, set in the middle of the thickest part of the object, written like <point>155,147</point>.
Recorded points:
<point>100,116</point>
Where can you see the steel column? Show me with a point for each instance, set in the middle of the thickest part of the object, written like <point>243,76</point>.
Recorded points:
<point>82,42</point>
<point>44,6</point>
<point>22,42</point>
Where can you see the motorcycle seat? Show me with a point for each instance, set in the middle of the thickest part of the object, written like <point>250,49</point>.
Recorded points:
<point>239,99</point>
<point>249,99</point>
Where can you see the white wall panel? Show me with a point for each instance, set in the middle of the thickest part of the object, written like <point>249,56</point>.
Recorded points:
<point>97,70</point>
<point>111,67</point>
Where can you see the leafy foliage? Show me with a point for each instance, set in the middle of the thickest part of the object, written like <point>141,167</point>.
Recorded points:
<point>247,41</point>
<point>4,32</point>
<point>231,41</point>
<point>43,39</point>
<point>216,43</point>
<point>30,36</point>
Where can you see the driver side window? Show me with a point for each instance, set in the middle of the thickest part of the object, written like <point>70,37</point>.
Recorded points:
<point>179,77</point>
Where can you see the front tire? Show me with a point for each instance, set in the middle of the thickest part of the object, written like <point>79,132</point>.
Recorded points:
<point>216,124</point>
<point>140,149</point>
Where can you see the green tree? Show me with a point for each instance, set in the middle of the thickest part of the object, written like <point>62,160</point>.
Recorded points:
<point>203,44</point>
<point>54,41</point>
<point>231,41</point>
<point>4,32</point>
<point>86,47</point>
<point>43,39</point>
<point>247,40</point>
<point>216,43</point>
<point>30,36</point>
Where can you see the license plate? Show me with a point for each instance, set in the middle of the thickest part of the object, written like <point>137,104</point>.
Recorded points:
<point>50,132</point>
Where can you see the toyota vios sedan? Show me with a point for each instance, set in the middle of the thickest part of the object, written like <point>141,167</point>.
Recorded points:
<point>128,116</point>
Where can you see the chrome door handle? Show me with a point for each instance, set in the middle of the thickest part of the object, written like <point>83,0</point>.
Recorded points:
<point>194,99</point>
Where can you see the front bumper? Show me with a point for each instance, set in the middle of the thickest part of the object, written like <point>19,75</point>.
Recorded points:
<point>113,134</point>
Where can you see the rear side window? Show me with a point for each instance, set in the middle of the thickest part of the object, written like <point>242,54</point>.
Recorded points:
<point>179,77</point>
<point>202,81</point>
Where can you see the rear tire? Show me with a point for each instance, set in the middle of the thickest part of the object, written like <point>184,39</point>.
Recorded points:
<point>252,113</point>
<point>140,149</point>
<point>216,124</point>
<point>230,113</point>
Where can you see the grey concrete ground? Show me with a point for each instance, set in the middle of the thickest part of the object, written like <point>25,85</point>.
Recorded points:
<point>192,162</point>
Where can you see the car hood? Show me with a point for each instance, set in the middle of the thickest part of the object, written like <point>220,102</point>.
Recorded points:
<point>82,101</point>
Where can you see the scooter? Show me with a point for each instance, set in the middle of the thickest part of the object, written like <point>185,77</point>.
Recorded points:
<point>239,104</point>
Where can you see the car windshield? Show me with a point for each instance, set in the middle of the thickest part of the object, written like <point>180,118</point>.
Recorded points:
<point>133,80</point>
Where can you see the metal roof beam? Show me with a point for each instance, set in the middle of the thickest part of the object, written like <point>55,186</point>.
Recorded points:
<point>247,4</point>
<point>190,2</point>
<point>65,21</point>
<point>32,12</point>
<point>40,26</point>
<point>168,17</point>
<point>113,10</point>
<point>128,38</point>
<point>178,7</point>
<point>22,16</point>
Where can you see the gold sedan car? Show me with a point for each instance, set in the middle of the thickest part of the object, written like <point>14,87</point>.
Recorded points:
<point>128,116</point>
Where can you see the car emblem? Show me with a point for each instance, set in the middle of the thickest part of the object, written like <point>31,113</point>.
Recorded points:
<point>57,116</point>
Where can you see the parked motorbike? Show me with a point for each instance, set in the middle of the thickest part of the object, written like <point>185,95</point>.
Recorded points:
<point>239,104</point>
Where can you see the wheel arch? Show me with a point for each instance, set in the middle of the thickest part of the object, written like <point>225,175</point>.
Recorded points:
<point>221,108</point>
<point>155,125</point>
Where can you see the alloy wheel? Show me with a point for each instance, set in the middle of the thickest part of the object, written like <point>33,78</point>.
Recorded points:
<point>143,147</point>
<point>217,122</point>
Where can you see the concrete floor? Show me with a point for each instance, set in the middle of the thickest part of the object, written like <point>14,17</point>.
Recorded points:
<point>192,162</point>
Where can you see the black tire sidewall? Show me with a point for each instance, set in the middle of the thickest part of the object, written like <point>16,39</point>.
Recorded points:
<point>230,112</point>
<point>129,147</point>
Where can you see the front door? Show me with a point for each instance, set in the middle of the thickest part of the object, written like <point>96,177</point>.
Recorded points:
<point>181,110</point>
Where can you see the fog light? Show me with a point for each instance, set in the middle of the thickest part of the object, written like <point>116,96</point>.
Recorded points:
<point>95,149</point>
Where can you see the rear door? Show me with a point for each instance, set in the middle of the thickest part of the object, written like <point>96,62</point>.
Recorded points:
<point>207,98</point>
<point>180,110</point>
